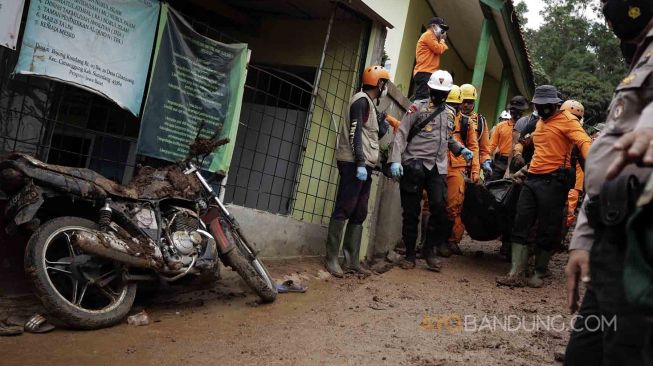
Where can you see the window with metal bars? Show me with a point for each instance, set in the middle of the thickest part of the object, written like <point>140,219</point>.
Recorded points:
<point>283,160</point>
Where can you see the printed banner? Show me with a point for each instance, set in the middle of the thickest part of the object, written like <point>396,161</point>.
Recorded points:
<point>104,46</point>
<point>195,80</point>
<point>11,12</point>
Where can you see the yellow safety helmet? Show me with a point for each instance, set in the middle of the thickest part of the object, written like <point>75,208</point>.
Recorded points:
<point>574,107</point>
<point>467,91</point>
<point>454,95</point>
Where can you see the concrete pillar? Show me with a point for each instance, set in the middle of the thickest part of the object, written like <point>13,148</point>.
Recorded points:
<point>503,93</point>
<point>481,60</point>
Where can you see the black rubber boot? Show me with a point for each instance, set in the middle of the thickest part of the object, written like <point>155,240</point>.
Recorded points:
<point>333,247</point>
<point>351,249</point>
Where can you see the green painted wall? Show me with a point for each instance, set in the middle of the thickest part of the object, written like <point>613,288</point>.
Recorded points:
<point>318,178</point>
<point>418,13</point>
<point>487,106</point>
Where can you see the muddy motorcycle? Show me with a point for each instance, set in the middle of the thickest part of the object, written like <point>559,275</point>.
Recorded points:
<point>92,241</point>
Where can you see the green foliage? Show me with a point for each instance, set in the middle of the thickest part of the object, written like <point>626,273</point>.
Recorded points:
<point>577,54</point>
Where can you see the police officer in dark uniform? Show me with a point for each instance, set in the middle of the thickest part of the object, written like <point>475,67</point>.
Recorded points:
<point>609,330</point>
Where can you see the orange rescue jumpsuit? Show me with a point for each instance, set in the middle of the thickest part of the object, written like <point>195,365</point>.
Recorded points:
<point>457,171</point>
<point>574,195</point>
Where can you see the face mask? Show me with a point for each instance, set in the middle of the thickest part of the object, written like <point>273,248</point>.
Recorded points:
<point>438,96</point>
<point>627,18</point>
<point>466,108</point>
<point>545,111</point>
<point>515,114</point>
<point>384,93</point>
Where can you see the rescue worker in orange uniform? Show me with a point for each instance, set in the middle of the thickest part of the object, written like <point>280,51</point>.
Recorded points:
<point>577,109</point>
<point>466,132</point>
<point>546,181</point>
<point>430,46</point>
<point>501,143</point>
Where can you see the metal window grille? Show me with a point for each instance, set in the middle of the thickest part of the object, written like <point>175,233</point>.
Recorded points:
<point>62,124</point>
<point>344,53</point>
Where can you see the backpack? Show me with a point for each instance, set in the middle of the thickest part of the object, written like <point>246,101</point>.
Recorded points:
<point>464,127</point>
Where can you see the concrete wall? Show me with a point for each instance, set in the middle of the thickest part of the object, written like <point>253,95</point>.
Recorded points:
<point>288,41</point>
<point>278,236</point>
<point>395,12</point>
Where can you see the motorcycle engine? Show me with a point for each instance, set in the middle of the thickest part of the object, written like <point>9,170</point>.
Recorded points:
<point>185,241</point>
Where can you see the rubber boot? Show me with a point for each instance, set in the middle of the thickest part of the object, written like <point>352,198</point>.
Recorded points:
<point>454,248</point>
<point>443,250</point>
<point>542,258</point>
<point>333,247</point>
<point>351,249</point>
<point>517,275</point>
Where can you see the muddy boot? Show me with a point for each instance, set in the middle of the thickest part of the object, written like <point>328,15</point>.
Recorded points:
<point>542,258</point>
<point>443,250</point>
<point>407,263</point>
<point>433,264</point>
<point>351,249</point>
<point>516,276</point>
<point>454,248</point>
<point>333,247</point>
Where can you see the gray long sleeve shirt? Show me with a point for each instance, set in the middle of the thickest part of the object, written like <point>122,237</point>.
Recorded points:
<point>631,108</point>
<point>431,144</point>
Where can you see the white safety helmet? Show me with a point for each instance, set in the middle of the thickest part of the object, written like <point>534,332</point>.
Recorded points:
<point>441,80</point>
<point>505,115</point>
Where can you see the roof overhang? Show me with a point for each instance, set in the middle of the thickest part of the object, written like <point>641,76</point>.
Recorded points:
<point>507,35</point>
<point>362,8</point>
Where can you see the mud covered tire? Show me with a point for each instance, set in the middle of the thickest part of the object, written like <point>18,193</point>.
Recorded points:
<point>53,302</point>
<point>239,263</point>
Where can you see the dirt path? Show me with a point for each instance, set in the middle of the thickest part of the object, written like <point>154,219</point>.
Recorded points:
<point>382,320</point>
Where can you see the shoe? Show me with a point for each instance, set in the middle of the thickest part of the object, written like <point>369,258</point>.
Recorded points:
<point>443,251</point>
<point>351,249</point>
<point>333,247</point>
<point>454,248</point>
<point>433,264</point>
<point>407,263</point>
<point>517,275</point>
<point>542,258</point>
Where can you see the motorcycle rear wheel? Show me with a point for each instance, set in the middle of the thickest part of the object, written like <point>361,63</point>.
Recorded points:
<point>82,291</point>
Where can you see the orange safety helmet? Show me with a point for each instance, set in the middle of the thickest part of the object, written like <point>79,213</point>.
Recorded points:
<point>574,107</point>
<point>373,74</point>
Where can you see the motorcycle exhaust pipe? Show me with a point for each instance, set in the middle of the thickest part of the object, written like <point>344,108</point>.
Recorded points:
<point>110,247</point>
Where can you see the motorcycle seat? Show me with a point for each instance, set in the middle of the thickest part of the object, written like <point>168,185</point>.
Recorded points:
<point>65,177</point>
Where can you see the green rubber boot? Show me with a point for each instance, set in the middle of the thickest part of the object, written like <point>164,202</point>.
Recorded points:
<point>517,275</point>
<point>542,258</point>
<point>333,247</point>
<point>351,249</point>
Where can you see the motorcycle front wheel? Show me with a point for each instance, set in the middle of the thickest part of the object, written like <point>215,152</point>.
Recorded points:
<point>81,290</point>
<point>251,269</point>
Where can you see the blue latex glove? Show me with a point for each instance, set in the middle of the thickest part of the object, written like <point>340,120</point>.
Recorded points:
<point>467,154</point>
<point>487,167</point>
<point>397,170</point>
<point>361,173</point>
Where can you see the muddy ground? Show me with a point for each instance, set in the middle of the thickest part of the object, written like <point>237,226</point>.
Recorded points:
<point>385,319</point>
